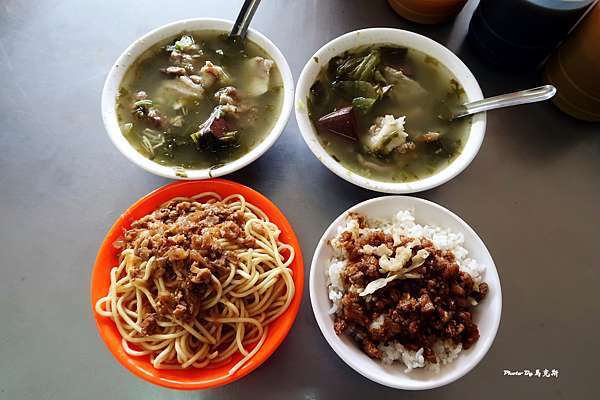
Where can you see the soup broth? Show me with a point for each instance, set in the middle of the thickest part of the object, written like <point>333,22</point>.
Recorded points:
<point>379,112</point>
<point>199,101</point>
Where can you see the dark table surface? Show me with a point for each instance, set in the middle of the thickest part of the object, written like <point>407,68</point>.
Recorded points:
<point>532,194</point>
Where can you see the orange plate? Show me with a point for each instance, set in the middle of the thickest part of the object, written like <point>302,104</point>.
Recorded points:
<point>192,378</point>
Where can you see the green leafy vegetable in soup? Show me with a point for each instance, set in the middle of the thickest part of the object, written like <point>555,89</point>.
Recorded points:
<point>378,111</point>
<point>199,100</point>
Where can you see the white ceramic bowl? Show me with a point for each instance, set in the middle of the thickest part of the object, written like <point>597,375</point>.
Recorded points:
<point>486,315</point>
<point>113,81</point>
<point>400,38</point>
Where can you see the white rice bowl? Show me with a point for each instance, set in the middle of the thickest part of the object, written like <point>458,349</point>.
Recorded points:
<point>406,216</point>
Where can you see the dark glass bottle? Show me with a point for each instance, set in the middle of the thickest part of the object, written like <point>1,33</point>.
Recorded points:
<point>574,68</point>
<point>520,34</point>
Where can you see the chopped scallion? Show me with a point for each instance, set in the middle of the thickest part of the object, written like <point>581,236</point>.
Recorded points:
<point>184,43</point>
<point>148,146</point>
<point>126,128</point>
<point>145,102</point>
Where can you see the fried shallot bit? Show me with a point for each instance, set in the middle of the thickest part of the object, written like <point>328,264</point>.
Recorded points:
<point>428,137</point>
<point>177,71</point>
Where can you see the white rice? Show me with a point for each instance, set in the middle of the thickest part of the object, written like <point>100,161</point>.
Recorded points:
<point>377,322</point>
<point>335,284</point>
<point>445,352</point>
<point>403,224</point>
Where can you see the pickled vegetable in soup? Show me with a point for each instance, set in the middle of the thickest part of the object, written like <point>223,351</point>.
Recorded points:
<point>379,112</point>
<point>199,100</point>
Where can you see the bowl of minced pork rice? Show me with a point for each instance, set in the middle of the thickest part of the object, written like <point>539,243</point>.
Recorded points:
<point>405,292</point>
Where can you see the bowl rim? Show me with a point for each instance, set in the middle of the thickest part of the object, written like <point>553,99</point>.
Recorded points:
<point>143,43</point>
<point>100,275</point>
<point>340,349</point>
<point>396,36</point>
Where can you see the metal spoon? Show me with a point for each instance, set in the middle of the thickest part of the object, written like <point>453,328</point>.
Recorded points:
<point>505,100</point>
<point>240,27</point>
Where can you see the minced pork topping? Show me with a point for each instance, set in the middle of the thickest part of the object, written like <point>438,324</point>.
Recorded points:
<point>404,290</point>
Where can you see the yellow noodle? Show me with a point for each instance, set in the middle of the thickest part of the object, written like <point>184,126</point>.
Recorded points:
<point>235,311</point>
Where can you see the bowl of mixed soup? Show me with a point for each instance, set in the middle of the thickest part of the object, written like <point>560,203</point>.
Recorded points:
<point>373,106</point>
<point>185,101</point>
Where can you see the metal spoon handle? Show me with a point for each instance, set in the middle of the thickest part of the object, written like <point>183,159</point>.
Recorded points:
<point>506,100</point>
<point>240,27</point>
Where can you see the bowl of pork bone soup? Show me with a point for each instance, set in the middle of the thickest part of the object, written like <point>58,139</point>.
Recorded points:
<point>372,105</point>
<point>186,102</point>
